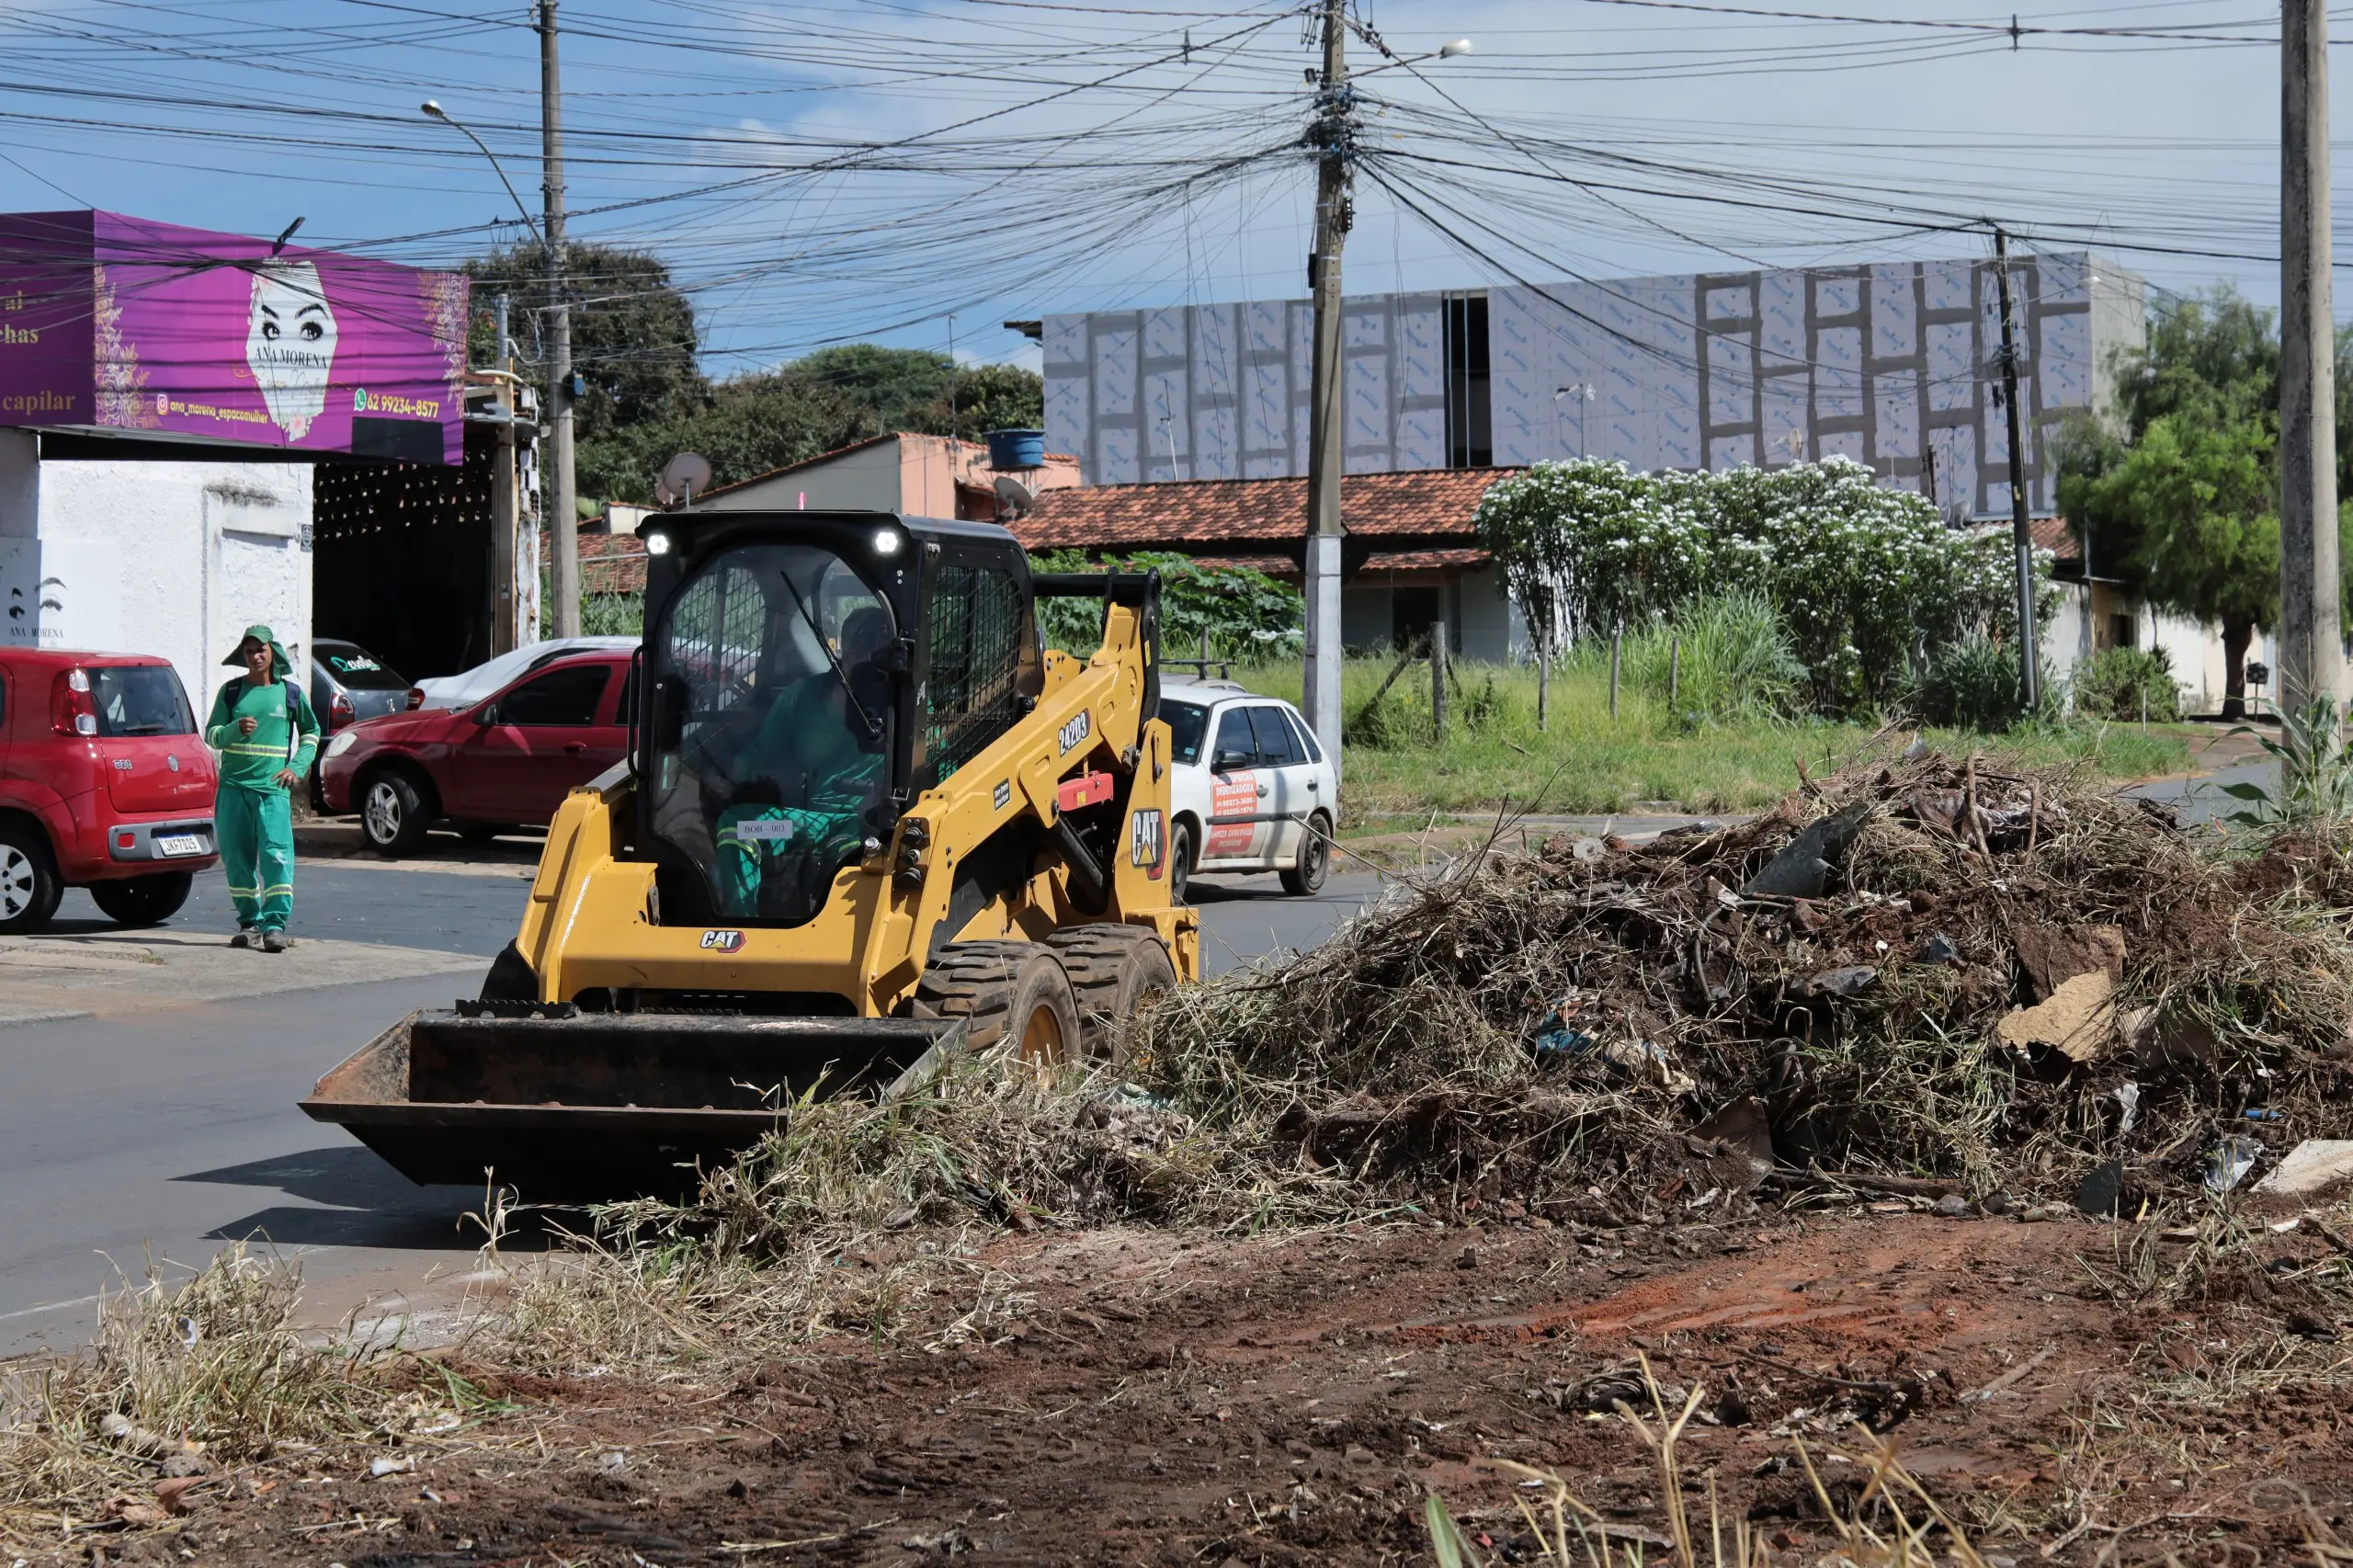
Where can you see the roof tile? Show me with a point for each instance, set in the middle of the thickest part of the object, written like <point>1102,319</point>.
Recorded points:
<point>1428,505</point>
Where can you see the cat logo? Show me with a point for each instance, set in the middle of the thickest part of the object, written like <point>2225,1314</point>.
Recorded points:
<point>1075,733</point>
<point>723,941</point>
<point>1147,844</point>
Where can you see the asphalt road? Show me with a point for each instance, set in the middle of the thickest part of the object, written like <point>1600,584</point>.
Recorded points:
<point>154,1137</point>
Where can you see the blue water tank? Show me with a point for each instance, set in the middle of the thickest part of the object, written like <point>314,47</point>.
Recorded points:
<point>1016,449</point>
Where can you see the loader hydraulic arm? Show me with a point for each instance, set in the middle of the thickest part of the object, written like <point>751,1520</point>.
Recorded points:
<point>1003,845</point>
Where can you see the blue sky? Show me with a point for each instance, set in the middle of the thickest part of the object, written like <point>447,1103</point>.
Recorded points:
<point>817,172</point>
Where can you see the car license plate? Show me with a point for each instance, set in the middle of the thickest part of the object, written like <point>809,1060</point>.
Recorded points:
<point>180,844</point>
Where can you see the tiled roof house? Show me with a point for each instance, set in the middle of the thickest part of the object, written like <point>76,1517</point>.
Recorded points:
<point>1411,555</point>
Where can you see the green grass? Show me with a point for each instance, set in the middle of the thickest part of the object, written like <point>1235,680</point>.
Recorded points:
<point>1586,762</point>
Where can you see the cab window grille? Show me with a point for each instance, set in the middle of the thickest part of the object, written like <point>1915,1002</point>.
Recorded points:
<point>717,635</point>
<point>978,624</point>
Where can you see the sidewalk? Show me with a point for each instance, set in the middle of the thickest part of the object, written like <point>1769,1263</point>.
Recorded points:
<point>79,974</point>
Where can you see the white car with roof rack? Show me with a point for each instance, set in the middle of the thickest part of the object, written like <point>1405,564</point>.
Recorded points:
<point>1251,790</point>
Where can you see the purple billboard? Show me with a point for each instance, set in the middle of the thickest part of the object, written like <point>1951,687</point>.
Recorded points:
<point>115,324</point>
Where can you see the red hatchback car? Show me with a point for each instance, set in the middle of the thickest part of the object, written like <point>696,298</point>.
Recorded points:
<point>104,784</point>
<point>507,761</point>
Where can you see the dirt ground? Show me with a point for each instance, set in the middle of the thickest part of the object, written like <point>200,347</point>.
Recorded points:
<point>1137,1397</point>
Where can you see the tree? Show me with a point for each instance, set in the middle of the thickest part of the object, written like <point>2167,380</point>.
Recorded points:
<point>2217,344</point>
<point>2195,500</point>
<point>890,385</point>
<point>2191,523</point>
<point>634,337</point>
<point>746,427</point>
<point>988,397</point>
<point>908,388</point>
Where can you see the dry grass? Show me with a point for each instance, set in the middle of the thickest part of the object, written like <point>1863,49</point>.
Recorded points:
<point>183,1380</point>
<point>1393,1066</point>
<point>856,1213</point>
<point>1892,1522</point>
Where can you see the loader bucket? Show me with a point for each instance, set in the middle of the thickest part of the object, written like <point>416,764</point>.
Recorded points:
<point>578,1107</point>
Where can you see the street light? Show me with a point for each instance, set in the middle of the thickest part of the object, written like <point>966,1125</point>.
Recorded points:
<point>433,110</point>
<point>1390,61</point>
<point>1585,392</point>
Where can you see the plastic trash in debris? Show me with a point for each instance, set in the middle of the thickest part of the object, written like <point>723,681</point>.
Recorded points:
<point>378,1469</point>
<point>1557,1038</point>
<point>2129,1095</point>
<point>1648,1058</point>
<point>2101,1193</point>
<point>1940,949</point>
<point>2229,1161</point>
<point>1844,981</point>
<point>2257,1113</point>
<point>1803,869</point>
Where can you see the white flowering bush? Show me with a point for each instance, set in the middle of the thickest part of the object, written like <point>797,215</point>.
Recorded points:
<point>1865,578</point>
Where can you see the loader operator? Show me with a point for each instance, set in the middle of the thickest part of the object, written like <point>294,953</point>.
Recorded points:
<point>821,741</point>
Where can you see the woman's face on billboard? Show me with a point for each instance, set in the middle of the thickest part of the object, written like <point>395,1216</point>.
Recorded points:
<point>290,343</point>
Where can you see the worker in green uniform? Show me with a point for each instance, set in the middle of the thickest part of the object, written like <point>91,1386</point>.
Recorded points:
<point>263,728</point>
<point>802,783</point>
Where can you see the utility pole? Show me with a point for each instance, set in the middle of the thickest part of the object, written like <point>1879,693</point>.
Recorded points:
<point>2021,526</point>
<point>2312,664</point>
<point>562,510</point>
<point>1332,135</point>
<point>504,512</point>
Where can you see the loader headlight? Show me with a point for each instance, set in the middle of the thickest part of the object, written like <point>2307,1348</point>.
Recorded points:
<point>657,543</point>
<point>342,743</point>
<point>886,542</point>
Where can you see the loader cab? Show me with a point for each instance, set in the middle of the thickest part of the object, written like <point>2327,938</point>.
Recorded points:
<point>808,674</point>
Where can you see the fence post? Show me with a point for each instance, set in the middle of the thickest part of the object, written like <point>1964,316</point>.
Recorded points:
<point>1438,678</point>
<point>1674,671</point>
<point>1617,647</point>
<point>1543,683</point>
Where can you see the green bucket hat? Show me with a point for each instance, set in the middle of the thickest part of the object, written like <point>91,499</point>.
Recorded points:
<point>281,665</point>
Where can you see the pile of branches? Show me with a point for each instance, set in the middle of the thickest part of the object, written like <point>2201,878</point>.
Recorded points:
<point>1930,977</point>
<point>1927,976</point>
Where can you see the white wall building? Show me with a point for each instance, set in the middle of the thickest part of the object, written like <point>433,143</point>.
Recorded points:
<point>166,558</point>
<point>1896,366</point>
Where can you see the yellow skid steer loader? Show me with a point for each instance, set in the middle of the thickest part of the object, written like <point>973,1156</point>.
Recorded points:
<point>865,816</point>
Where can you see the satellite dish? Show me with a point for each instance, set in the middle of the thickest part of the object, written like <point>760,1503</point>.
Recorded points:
<point>683,478</point>
<point>1015,494</point>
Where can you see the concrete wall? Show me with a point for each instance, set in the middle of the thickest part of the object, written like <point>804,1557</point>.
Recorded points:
<point>172,558</point>
<point>914,474</point>
<point>2195,650</point>
<point>864,479</point>
<point>1895,366</point>
<point>1482,623</point>
<point>1220,391</point>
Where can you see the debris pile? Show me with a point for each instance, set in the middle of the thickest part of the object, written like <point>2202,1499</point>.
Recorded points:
<point>1930,978</point>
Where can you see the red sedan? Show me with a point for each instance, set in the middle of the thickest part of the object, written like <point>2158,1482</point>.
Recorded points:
<point>505,762</point>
